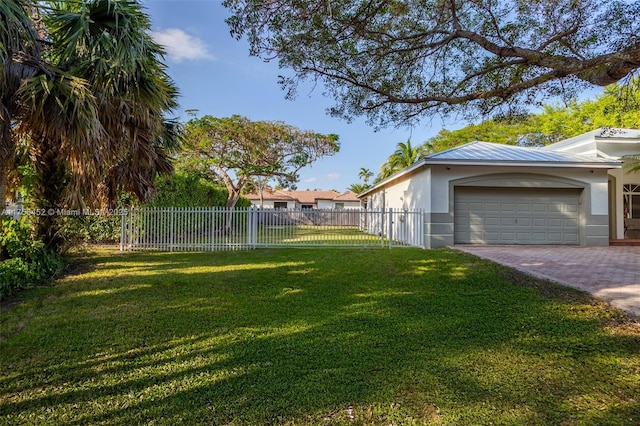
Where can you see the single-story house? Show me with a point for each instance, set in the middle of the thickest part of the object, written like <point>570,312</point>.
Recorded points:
<point>572,192</point>
<point>285,199</point>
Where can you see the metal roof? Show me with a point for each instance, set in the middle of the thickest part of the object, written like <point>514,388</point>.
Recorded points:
<point>485,151</point>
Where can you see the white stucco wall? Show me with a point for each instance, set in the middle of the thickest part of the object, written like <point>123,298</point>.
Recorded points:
<point>595,179</point>
<point>431,189</point>
<point>269,204</point>
<point>325,204</point>
<point>348,205</point>
<point>411,193</point>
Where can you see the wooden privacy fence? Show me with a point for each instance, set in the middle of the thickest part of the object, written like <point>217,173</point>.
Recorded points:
<point>212,228</point>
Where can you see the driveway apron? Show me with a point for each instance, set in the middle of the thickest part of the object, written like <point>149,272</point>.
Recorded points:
<point>609,273</point>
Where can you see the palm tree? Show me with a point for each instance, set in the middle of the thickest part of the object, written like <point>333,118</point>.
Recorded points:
<point>631,163</point>
<point>365,174</point>
<point>20,51</point>
<point>358,187</point>
<point>404,156</point>
<point>97,124</point>
<point>107,43</point>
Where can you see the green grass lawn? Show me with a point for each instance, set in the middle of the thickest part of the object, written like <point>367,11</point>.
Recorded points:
<point>313,336</point>
<point>267,236</point>
<point>318,235</point>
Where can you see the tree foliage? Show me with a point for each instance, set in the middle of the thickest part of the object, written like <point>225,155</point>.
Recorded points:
<point>358,188</point>
<point>235,150</point>
<point>404,156</point>
<point>85,93</point>
<point>106,45</point>
<point>365,174</point>
<point>399,60</point>
<point>618,106</point>
<point>190,190</point>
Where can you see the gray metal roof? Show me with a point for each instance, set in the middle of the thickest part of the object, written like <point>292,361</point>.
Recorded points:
<point>485,151</point>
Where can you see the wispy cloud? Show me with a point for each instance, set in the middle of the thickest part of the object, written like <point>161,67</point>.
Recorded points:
<point>181,46</point>
<point>333,176</point>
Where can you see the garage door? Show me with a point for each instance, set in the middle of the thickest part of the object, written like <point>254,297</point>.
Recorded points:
<point>515,216</point>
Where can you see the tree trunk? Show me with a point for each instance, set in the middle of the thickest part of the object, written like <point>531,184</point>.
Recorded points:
<point>7,151</point>
<point>51,178</point>
<point>232,200</point>
<point>4,171</point>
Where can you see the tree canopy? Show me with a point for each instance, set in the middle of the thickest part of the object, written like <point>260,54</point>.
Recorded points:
<point>184,189</point>
<point>84,87</point>
<point>235,150</point>
<point>395,61</point>
<point>84,93</point>
<point>618,106</point>
<point>404,156</point>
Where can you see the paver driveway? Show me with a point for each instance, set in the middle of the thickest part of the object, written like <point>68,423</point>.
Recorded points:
<point>610,273</point>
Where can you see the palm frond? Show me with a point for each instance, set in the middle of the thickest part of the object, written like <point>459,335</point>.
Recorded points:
<point>631,163</point>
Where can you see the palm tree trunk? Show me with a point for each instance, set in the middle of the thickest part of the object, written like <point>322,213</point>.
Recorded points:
<point>4,170</point>
<point>7,150</point>
<point>51,178</point>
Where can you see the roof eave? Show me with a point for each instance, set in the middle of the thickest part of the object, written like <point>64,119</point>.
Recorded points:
<point>513,163</point>
<point>411,168</point>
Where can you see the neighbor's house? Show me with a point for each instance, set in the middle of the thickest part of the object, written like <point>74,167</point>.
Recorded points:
<point>571,192</point>
<point>306,200</point>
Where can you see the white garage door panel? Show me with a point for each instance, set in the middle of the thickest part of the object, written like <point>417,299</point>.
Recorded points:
<point>516,216</point>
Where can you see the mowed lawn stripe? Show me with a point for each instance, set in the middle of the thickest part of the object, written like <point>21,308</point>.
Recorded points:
<point>313,336</point>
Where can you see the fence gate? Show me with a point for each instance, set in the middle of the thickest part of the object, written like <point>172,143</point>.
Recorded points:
<point>212,228</point>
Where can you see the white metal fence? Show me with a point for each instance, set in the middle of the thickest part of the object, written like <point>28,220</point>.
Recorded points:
<point>209,229</point>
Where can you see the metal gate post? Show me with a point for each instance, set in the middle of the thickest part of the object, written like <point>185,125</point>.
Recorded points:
<point>123,228</point>
<point>390,227</point>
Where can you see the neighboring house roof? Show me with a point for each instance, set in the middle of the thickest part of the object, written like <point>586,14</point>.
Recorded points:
<point>311,197</point>
<point>271,195</point>
<point>347,196</point>
<point>302,197</point>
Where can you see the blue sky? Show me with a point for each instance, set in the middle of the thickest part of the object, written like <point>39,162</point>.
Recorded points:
<point>216,76</point>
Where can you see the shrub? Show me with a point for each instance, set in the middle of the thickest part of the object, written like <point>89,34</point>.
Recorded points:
<point>25,262</point>
<point>185,189</point>
<point>178,190</point>
<point>90,229</point>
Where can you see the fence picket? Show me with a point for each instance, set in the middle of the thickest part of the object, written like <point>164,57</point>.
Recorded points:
<point>213,228</point>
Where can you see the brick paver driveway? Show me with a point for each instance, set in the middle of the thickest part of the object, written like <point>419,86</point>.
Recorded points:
<point>610,273</point>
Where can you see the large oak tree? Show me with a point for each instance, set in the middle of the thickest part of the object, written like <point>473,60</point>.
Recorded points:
<point>395,61</point>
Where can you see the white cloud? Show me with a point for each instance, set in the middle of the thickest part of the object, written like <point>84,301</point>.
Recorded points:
<point>310,180</point>
<point>181,46</point>
<point>333,176</point>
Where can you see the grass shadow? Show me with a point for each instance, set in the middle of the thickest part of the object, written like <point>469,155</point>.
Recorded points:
<point>316,336</point>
